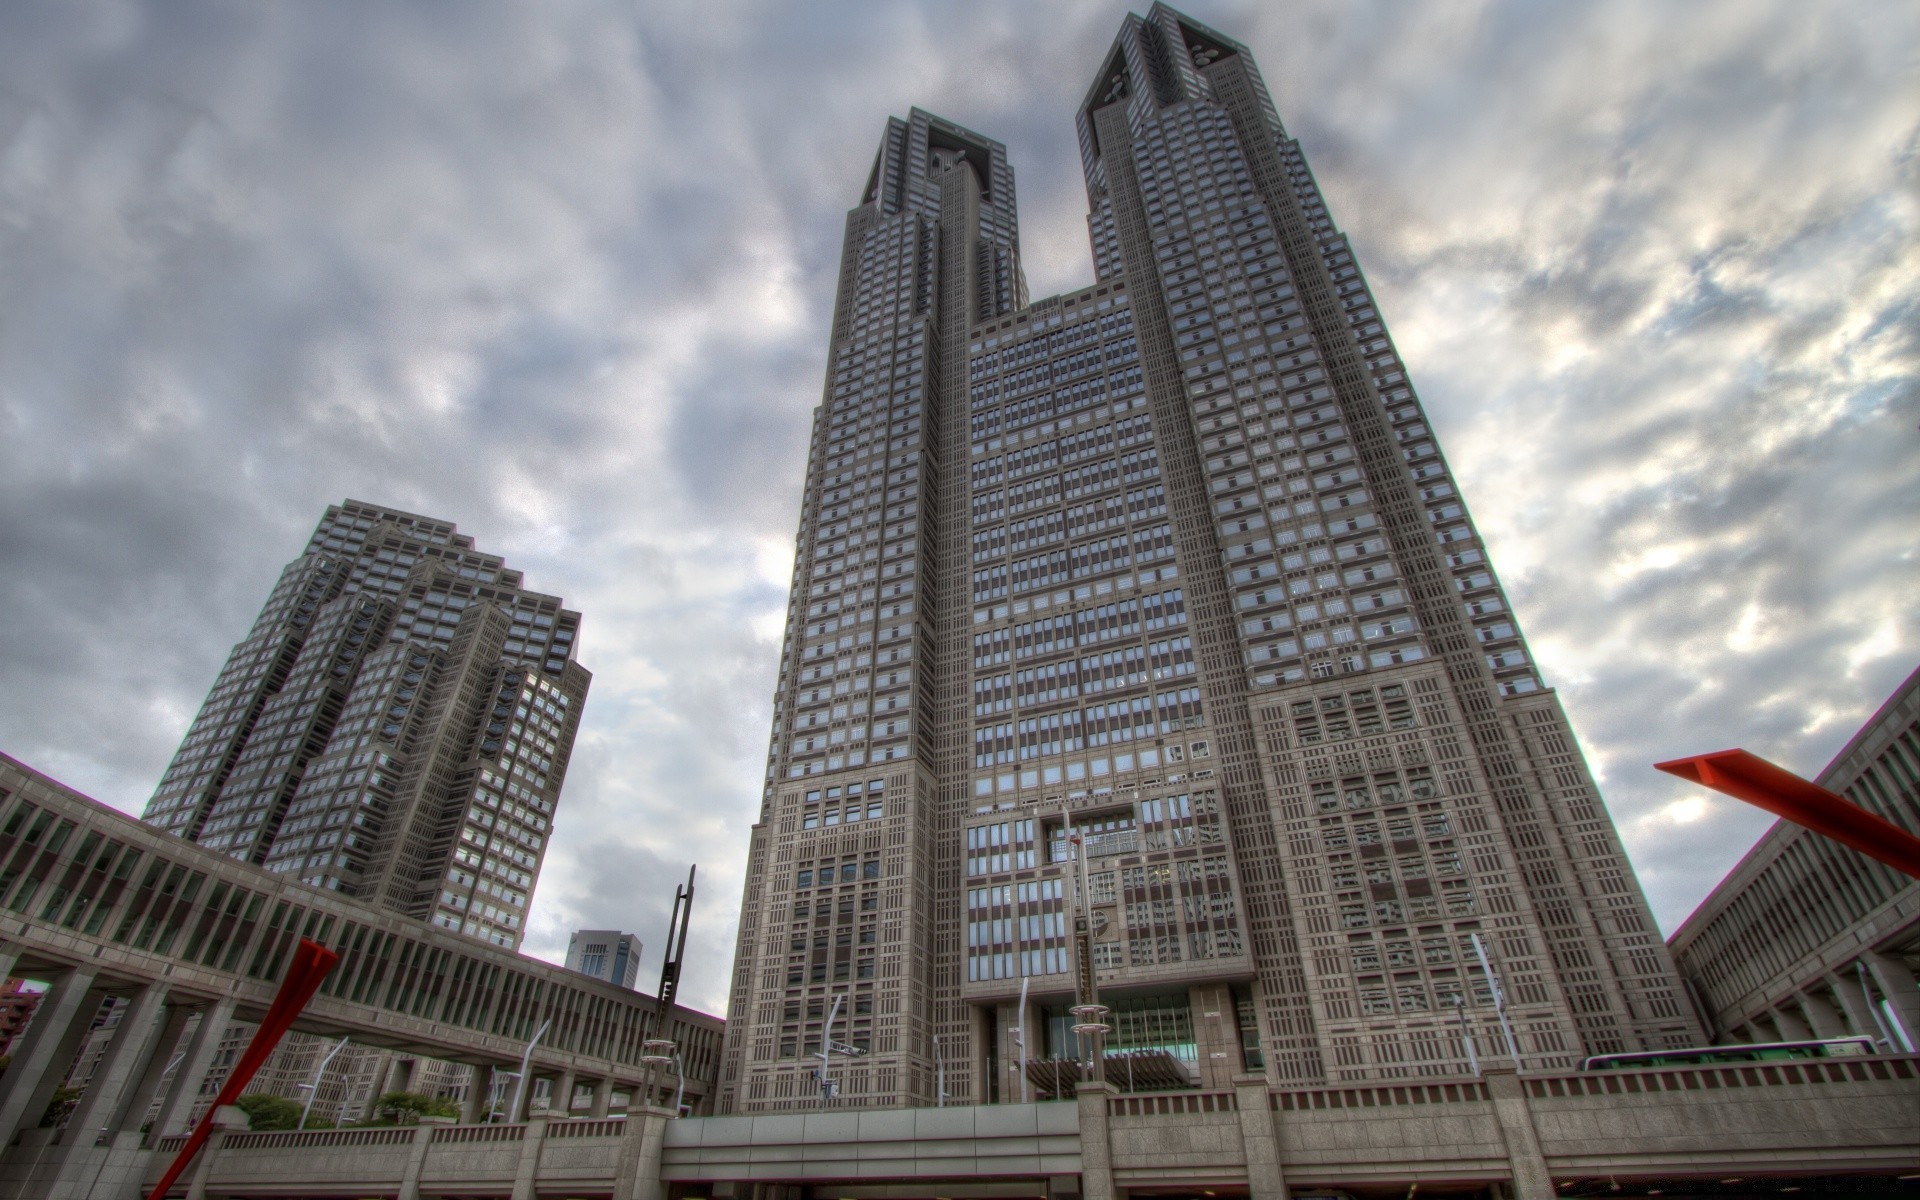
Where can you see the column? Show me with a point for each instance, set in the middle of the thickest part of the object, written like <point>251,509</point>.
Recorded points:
<point>46,1049</point>
<point>1821,1015</point>
<point>560,1096</point>
<point>1902,993</point>
<point>416,1161</point>
<point>400,1073</point>
<point>9,958</point>
<point>602,1097</point>
<point>1096,1145</point>
<point>1530,1178</point>
<point>110,1093</point>
<point>225,1120</point>
<point>1260,1138</point>
<point>177,1107</point>
<point>474,1110</point>
<point>637,1177</point>
<point>1792,1027</point>
<point>147,1089</point>
<point>1857,1005</point>
<point>528,1172</point>
<point>1216,1034</point>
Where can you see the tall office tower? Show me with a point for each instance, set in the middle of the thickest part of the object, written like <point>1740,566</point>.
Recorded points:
<point>1169,569</point>
<point>396,726</point>
<point>605,954</point>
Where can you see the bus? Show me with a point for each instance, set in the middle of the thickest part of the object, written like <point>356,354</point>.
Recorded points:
<point>1709,1056</point>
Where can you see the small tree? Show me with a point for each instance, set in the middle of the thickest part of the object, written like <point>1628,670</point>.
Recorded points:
<point>406,1108</point>
<point>266,1112</point>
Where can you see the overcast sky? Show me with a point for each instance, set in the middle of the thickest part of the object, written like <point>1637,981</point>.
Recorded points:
<point>562,272</point>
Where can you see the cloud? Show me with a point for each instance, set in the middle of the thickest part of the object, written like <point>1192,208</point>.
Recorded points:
<point>563,273</point>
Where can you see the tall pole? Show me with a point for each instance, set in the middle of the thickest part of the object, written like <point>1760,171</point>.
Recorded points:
<point>1499,999</point>
<point>939,1074</point>
<point>1020,1039</point>
<point>313,1089</point>
<point>826,1052</point>
<point>1090,1023</point>
<point>520,1092</point>
<point>1466,1035</point>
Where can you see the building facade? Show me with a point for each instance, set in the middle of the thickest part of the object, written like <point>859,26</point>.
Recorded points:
<point>1807,938</point>
<point>1170,568</point>
<point>605,954</point>
<point>395,727</point>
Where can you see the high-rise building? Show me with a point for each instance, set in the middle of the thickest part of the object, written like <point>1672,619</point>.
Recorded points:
<point>396,726</point>
<point>1807,938</point>
<point>1170,567</point>
<point>605,954</point>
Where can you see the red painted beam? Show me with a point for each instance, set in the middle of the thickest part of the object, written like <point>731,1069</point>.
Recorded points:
<point>1753,779</point>
<point>311,962</point>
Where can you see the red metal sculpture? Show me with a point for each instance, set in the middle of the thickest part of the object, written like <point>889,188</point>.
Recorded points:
<point>311,962</point>
<point>1751,778</point>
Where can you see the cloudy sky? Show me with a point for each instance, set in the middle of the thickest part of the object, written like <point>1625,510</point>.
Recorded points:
<point>561,272</point>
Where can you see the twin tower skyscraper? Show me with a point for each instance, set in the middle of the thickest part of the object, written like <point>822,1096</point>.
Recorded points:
<point>1169,573</point>
<point>1150,610</point>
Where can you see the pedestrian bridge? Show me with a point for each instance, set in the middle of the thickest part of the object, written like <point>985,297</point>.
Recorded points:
<point>101,905</point>
<point>1531,1137</point>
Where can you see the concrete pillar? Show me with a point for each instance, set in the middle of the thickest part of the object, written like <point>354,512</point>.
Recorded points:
<point>1897,984</point>
<point>1530,1178</point>
<point>602,1097</point>
<point>474,1110</point>
<point>637,1175</point>
<point>1857,1005</point>
<point>225,1120</point>
<point>1266,1174</point>
<point>560,1096</point>
<point>400,1074</point>
<point>528,1171</point>
<point>1216,1035</point>
<point>141,1096</point>
<point>9,958</point>
<point>1822,1016</point>
<point>1096,1145</point>
<point>416,1161</point>
<point>184,1091</point>
<point>110,1093</point>
<point>1792,1027</point>
<point>43,1053</point>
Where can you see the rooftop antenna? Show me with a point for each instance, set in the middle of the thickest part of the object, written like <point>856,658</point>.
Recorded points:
<point>675,949</point>
<point>660,1049</point>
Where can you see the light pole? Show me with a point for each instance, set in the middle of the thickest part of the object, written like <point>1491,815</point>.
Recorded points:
<point>828,1048</point>
<point>1466,1035</point>
<point>520,1091</point>
<point>939,1074</point>
<point>659,1052</point>
<point>1499,999</point>
<point>313,1089</point>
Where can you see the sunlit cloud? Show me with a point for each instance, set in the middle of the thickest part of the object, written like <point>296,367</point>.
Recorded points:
<point>563,274</point>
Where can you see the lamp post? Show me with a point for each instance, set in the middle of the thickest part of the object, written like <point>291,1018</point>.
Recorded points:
<point>520,1085</point>
<point>659,1052</point>
<point>313,1089</point>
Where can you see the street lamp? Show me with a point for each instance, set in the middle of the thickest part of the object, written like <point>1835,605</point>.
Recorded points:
<point>660,1052</point>
<point>313,1089</point>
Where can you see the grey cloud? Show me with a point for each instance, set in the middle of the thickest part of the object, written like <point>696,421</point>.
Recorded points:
<point>562,273</point>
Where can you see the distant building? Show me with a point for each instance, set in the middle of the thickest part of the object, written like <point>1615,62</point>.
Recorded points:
<point>395,727</point>
<point>1808,939</point>
<point>605,954</point>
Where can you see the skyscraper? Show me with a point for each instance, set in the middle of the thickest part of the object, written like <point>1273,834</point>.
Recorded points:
<point>1168,571</point>
<point>396,726</point>
<point>605,954</point>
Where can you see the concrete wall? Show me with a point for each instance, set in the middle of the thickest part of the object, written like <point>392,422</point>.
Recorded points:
<point>1524,1134</point>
